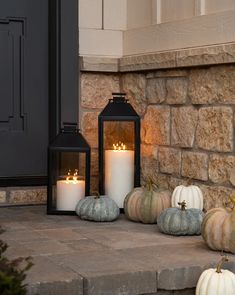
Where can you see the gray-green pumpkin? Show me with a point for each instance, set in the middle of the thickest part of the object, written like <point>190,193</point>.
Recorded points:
<point>97,208</point>
<point>181,221</point>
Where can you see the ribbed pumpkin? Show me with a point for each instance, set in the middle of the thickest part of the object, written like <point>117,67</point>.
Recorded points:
<point>180,221</point>
<point>218,228</point>
<point>216,281</point>
<point>97,208</point>
<point>191,194</point>
<point>144,204</point>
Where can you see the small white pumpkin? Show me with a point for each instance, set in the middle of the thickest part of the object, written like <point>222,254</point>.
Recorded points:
<point>216,281</point>
<point>191,194</point>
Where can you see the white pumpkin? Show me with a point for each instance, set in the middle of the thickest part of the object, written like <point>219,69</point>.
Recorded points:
<point>216,281</point>
<point>191,194</point>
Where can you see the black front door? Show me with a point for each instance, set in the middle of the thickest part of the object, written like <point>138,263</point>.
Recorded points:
<point>23,88</point>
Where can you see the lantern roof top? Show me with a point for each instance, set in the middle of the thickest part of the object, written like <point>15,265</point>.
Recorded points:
<point>119,108</point>
<point>70,139</point>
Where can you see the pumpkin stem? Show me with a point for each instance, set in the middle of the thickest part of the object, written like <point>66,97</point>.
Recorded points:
<point>220,263</point>
<point>150,183</point>
<point>96,194</point>
<point>183,205</point>
<point>232,201</point>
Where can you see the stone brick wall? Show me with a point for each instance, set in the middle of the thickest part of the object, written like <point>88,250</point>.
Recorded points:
<point>187,124</point>
<point>23,195</point>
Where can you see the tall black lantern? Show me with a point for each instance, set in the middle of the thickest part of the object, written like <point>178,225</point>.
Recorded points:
<point>68,171</point>
<point>119,148</point>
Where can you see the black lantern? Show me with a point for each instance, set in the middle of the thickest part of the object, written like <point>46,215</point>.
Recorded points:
<point>119,149</point>
<point>68,171</point>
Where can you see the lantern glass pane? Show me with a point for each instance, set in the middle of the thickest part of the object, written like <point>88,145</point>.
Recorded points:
<point>68,181</point>
<point>119,165</point>
<point>119,132</point>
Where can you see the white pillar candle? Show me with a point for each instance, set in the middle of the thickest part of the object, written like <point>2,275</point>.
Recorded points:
<point>69,192</point>
<point>119,174</point>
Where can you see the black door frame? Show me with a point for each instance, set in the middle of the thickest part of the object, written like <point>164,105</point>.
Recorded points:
<point>63,88</point>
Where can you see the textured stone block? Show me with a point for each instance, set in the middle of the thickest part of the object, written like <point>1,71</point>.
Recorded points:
<point>28,196</point>
<point>3,196</point>
<point>96,89</point>
<point>156,126</point>
<point>180,278</point>
<point>134,283</point>
<point>215,129</point>
<point>195,165</point>
<point>89,127</point>
<point>169,160</point>
<point>169,73</point>
<point>213,85</point>
<point>172,90</point>
<point>148,61</point>
<point>148,151</point>
<point>169,182</point>
<point>149,160</point>
<point>215,196</point>
<point>47,278</point>
<point>222,169</point>
<point>176,89</point>
<point>135,87</point>
<point>206,55</point>
<point>73,287</point>
<point>156,90</point>
<point>183,126</point>
<point>98,64</point>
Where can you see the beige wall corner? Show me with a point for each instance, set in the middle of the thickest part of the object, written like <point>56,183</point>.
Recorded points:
<point>213,6</point>
<point>172,10</point>
<point>139,13</point>
<point>99,64</point>
<point>90,14</point>
<point>100,42</point>
<point>198,31</point>
<point>115,14</point>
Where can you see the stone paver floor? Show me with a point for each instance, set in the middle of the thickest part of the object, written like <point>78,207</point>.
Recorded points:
<point>72,256</point>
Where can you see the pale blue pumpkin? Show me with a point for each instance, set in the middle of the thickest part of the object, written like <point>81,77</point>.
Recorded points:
<point>97,208</point>
<point>180,221</point>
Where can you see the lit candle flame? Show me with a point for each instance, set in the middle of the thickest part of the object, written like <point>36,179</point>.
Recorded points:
<point>74,177</point>
<point>119,146</point>
<point>68,175</point>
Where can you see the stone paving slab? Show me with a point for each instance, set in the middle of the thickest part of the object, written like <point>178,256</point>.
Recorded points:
<point>72,256</point>
<point>47,278</point>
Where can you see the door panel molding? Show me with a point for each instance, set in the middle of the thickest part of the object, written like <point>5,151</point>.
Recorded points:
<point>12,116</point>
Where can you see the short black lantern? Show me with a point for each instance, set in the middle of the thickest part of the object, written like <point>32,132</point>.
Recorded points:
<point>119,148</point>
<point>68,171</point>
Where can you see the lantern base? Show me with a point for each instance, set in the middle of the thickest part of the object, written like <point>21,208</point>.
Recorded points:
<point>61,212</point>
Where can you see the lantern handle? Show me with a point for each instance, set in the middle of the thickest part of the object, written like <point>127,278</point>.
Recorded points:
<point>69,127</point>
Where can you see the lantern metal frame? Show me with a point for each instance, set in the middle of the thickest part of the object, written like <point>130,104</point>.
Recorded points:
<point>68,140</point>
<point>120,110</point>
